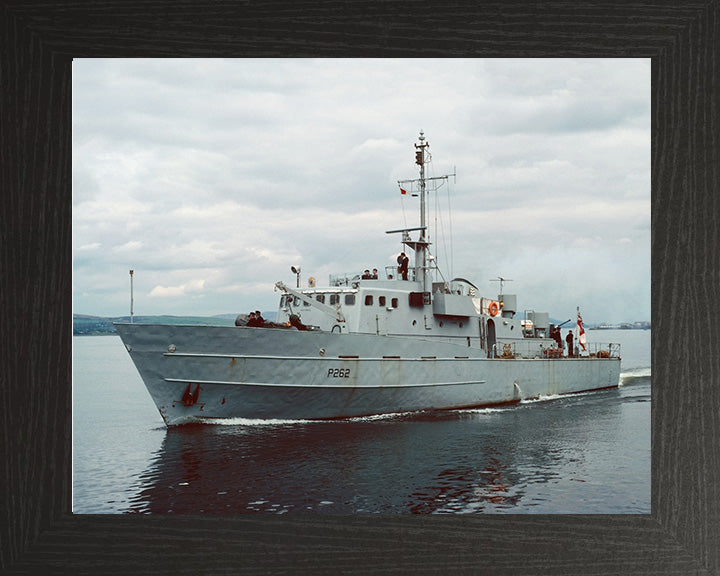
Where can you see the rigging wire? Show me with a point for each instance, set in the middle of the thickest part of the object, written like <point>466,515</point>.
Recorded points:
<point>438,272</point>
<point>451,261</point>
<point>402,206</point>
<point>442,226</point>
<point>440,222</point>
<point>431,169</point>
<point>439,226</point>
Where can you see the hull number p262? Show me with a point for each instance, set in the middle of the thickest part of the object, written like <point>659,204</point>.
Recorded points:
<point>338,373</point>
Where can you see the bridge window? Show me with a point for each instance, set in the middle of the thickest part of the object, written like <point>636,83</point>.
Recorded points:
<point>320,298</point>
<point>368,300</point>
<point>350,299</point>
<point>394,302</point>
<point>334,298</point>
<point>381,301</point>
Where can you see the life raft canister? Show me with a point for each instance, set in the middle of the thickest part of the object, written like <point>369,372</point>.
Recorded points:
<point>493,309</point>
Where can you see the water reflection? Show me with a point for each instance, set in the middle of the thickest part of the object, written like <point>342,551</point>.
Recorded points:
<point>452,462</point>
<point>465,490</point>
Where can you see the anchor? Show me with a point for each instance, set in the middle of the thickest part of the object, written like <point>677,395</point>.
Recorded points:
<point>190,398</point>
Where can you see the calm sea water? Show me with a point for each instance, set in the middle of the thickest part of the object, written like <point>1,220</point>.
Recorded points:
<point>584,454</point>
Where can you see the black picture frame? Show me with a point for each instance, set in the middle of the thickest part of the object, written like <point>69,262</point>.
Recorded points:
<point>38,533</point>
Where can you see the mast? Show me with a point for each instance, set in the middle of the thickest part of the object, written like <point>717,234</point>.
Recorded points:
<point>420,249</point>
<point>422,273</point>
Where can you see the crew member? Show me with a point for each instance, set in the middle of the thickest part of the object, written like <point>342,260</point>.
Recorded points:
<point>555,335</point>
<point>295,321</point>
<point>374,274</point>
<point>366,275</point>
<point>569,340</point>
<point>403,262</point>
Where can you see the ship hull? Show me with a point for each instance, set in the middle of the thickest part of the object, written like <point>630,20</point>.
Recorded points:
<point>203,373</point>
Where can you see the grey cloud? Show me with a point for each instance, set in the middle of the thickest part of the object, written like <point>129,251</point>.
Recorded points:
<point>216,175</point>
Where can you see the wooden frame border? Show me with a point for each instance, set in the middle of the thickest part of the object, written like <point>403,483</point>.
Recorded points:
<point>38,534</point>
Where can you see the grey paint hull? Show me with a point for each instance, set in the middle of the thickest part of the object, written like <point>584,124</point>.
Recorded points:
<point>200,373</point>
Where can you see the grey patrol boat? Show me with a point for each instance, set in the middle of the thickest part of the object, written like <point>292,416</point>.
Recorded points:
<point>367,346</point>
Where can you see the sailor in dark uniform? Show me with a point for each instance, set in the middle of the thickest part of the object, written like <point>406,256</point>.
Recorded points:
<point>555,335</point>
<point>569,340</point>
<point>403,262</point>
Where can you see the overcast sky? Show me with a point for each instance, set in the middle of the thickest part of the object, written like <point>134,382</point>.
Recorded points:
<point>211,178</point>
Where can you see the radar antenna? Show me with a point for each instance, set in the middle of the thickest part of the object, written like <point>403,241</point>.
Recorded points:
<point>501,280</point>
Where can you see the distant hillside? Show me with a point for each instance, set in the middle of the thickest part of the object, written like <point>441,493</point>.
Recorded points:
<point>623,326</point>
<point>99,325</point>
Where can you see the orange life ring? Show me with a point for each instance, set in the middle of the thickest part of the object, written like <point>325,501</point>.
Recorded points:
<point>493,309</point>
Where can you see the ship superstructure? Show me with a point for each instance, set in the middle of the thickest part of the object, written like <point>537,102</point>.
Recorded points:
<point>363,345</point>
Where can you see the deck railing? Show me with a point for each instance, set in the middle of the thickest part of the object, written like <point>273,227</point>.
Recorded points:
<point>529,349</point>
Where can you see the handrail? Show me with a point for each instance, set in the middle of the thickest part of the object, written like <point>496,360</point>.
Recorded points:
<point>528,349</point>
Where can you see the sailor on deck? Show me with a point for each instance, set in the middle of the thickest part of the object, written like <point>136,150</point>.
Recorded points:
<point>555,335</point>
<point>569,340</point>
<point>403,262</point>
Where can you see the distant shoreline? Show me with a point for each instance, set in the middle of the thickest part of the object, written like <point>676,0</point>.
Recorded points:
<point>622,326</point>
<point>84,325</point>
